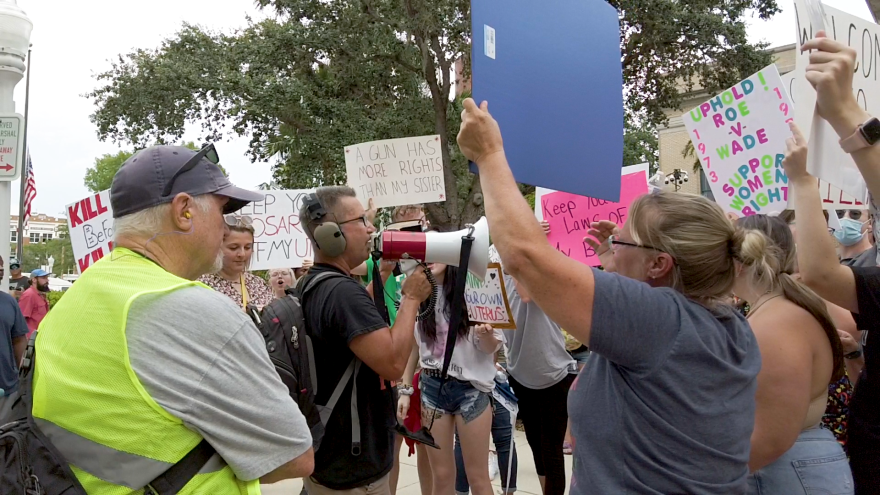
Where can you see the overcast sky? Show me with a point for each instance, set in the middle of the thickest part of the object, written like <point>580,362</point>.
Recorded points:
<point>73,41</point>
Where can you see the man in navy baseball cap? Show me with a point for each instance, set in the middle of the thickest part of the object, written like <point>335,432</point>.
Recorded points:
<point>136,340</point>
<point>168,204</point>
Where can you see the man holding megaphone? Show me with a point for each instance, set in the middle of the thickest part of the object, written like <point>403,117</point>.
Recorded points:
<point>345,327</point>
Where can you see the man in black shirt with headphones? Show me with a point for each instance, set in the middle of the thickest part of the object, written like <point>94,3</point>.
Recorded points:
<point>344,324</point>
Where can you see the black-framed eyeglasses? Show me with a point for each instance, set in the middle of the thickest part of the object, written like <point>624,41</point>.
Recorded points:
<point>362,218</point>
<point>853,214</point>
<point>615,241</point>
<point>234,220</point>
<point>207,152</point>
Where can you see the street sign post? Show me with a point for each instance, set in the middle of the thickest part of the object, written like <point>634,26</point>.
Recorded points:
<point>11,159</point>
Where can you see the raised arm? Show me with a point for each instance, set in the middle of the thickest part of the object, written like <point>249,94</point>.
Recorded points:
<point>562,287</point>
<point>831,73</point>
<point>817,259</point>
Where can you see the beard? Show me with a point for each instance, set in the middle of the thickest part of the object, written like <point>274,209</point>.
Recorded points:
<point>43,288</point>
<point>218,263</point>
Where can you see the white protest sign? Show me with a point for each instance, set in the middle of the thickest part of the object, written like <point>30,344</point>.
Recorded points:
<point>397,172</point>
<point>280,239</point>
<point>487,299</point>
<point>826,159</point>
<point>90,226</point>
<point>739,137</point>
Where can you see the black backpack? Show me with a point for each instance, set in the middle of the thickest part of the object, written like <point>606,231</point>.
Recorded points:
<point>282,323</point>
<point>31,465</point>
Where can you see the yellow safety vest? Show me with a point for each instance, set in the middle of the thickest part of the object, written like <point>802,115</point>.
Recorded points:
<point>89,401</point>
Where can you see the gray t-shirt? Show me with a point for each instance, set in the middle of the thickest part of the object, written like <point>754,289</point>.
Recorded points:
<point>203,360</point>
<point>666,405</point>
<point>536,355</point>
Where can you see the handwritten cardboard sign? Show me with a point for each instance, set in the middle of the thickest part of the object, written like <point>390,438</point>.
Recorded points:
<point>487,299</point>
<point>397,172</point>
<point>570,216</point>
<point>826,159</point>
<point>739,137</point>
<point>90,225</point>
<point>280,239</point>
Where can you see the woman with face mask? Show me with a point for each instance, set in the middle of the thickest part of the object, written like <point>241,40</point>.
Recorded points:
<point>233,280</point>
<point>666,402</point>
<point>854,236</point>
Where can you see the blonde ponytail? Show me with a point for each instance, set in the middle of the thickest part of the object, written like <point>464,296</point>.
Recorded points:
<point>767,250</point>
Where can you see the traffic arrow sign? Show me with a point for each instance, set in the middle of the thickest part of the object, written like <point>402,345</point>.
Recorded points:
<point>11,132</point>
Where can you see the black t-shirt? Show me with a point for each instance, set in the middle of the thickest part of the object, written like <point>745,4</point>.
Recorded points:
<point>337,311</point>
<point>20,283</point>
<point>863,428</point>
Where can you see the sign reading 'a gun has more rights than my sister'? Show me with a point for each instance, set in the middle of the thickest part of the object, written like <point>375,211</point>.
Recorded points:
<point>397,172</point>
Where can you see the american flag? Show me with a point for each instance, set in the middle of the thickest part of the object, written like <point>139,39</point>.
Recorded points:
<point>30,190</point>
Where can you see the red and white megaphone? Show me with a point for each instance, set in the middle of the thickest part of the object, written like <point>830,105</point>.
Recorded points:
<point>437,247</point>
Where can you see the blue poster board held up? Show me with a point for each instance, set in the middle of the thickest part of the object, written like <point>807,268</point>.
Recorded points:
<point>551,72</point>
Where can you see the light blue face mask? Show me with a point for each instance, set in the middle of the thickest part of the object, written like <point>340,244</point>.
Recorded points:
<point>850,232</point>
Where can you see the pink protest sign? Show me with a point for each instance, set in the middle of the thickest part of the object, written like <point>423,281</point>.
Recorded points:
<point>570,216</point>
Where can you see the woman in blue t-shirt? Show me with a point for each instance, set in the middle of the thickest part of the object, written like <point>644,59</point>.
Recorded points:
<point>666,403</point>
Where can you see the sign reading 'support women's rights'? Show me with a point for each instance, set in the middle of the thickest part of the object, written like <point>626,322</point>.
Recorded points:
<point>487,299</point>
<point>397,172</point>
<point>570,215</point>
<point>280,240</point>
<point>90,226</point>
<point>739,137</point>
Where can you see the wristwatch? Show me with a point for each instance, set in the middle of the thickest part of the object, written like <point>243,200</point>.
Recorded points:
<point>865,135</point>
<point>854,354</point>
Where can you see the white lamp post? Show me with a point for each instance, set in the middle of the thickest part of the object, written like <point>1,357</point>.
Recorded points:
<point>15,37</point>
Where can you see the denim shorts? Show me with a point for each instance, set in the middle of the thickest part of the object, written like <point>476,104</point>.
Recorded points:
<point>814,464</point>
<point>457,398</point>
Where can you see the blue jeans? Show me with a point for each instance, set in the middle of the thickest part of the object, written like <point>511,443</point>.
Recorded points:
<point>457,398</point>
<point>502,436</point>
<point>814,464</point>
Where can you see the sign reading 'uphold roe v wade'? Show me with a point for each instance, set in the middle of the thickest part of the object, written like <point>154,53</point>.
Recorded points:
<point>280,240</point>
<point>397,172</point>
<point>739,137</point>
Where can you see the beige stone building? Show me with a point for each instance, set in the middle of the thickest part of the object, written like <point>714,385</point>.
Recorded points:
<point>674,137</point>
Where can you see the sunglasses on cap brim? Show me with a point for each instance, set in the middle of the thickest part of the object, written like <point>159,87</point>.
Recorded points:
<point>234,220</point>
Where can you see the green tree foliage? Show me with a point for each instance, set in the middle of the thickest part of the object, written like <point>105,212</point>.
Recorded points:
<point>323,74</point>
<point>35,255</point>
<point>100,177</point>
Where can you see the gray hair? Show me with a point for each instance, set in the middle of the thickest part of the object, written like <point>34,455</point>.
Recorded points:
<point>330,196</point>
<point>151,221</point>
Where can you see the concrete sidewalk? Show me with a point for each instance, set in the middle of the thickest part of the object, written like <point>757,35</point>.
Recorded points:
<point>527,478</point>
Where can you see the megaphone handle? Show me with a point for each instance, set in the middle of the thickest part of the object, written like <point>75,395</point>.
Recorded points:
<point>457,303</point>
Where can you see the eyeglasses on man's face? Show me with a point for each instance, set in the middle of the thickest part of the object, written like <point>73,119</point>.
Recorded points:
<point>362,218</point>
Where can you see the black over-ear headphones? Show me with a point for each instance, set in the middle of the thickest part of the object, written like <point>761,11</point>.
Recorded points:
<point>327,235</point>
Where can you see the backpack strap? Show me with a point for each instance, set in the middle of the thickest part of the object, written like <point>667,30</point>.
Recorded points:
<point>350,374</point>
<point>170,482</point>
<point>177,476</point>
<point>304,286</point>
